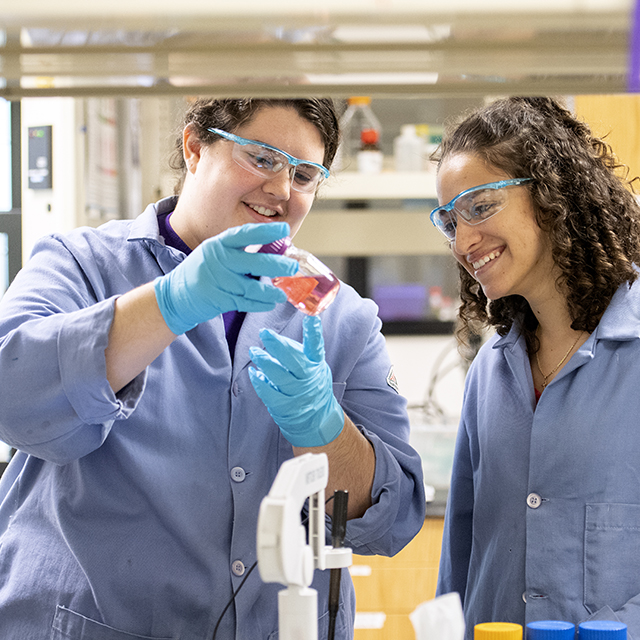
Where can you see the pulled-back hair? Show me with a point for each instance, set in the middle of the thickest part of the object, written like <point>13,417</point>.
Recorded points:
<point>231,113</point>
<point>581,199</point>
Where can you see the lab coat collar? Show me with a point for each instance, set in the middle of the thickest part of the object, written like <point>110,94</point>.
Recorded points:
<point>145,226</point>
<point>620,321</point>
<point>145,229</point>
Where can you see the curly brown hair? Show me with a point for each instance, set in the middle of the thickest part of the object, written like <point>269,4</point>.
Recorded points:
<point>230,113</point>
<point>582,200</point>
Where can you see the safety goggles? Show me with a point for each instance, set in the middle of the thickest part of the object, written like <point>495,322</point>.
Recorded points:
<point>474,205</point>
<point>266,161</point>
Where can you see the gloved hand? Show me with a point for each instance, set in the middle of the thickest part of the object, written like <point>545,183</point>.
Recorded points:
<point>214,277</point>
<point>295,383</point>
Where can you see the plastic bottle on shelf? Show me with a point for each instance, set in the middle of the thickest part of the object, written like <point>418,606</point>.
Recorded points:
<point>602,630</point>
<point>370,156</point>
<point>358,117</point>
<point>550,630</point>
<point>313,288</point>
<point>497,631</point>
<point>408,149</point>
<point>422,131</point>
<point>432,141</point>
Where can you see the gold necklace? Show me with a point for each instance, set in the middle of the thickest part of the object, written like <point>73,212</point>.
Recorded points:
<point>566,355</point>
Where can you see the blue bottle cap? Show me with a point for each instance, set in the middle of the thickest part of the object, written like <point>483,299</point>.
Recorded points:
<point>551,630</point>
<point>602,630</point>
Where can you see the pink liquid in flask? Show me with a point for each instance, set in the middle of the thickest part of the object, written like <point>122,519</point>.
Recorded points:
<point>309,294</point>
<point>314,287</point>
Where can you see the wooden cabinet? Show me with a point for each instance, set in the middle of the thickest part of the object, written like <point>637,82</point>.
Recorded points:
<point>389,589</point>
<point>616,118</point>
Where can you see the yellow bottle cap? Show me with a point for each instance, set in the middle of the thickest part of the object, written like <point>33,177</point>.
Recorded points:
<point>497,631</point>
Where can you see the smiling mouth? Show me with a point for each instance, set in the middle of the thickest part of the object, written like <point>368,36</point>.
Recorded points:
<point>488,258</point>
<point>263,211</point>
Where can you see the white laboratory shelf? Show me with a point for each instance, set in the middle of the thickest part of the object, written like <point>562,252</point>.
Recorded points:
<point>395,48</point>
<point>229,12</point>
<point>390,185</point>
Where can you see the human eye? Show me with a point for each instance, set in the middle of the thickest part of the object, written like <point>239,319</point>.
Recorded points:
<point>305,174</point>
<point>263,158</point>
<point>446,223</point>
<point>485,203</point>
<point>449,229</point>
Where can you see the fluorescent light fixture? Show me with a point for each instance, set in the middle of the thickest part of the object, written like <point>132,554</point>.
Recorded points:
<point>392,33</point>
<point>373,78</point>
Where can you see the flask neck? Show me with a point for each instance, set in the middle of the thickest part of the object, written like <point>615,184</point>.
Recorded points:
<point>277,246</point>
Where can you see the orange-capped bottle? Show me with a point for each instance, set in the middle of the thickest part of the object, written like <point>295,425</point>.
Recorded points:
<point>358,117</point>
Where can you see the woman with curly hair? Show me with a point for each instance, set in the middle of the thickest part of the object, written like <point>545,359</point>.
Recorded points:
<point>543,516</point>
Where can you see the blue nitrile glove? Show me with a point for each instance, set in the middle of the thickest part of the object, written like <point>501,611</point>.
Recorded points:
<point>295,383</point>
<point>214,277</point>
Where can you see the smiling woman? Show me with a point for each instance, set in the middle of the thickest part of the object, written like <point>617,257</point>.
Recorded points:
<point>501,246</point>
<point>153,380</point>
<point>220,189</point>
<point>543,513</point>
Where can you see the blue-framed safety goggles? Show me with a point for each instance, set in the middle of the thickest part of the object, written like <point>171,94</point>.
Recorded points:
<point>474,205</point>
<point>266,161</point>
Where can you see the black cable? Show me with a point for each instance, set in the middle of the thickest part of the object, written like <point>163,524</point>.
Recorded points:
<point>253,566</point>
<point>233,597</point>
<point>338,533</point>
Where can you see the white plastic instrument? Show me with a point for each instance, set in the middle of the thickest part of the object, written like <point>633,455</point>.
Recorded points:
<point>284,554</point>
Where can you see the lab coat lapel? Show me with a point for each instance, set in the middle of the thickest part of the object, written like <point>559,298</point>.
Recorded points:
<point>249,335</point>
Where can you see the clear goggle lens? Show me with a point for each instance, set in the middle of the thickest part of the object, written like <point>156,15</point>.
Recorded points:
<point>266,162</point>
<point>473,208</point>
<point>474,205</point>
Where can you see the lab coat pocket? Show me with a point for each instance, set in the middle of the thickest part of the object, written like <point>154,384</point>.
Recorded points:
<point>611,558</point>
<point>68,625</point>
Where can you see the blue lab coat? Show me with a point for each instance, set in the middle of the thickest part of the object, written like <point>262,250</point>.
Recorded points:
<point>133,515</point>
<point>543,517</point>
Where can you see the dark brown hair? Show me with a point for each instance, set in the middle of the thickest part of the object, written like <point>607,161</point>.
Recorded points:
<point>229,114</point>
<point>582,200</point>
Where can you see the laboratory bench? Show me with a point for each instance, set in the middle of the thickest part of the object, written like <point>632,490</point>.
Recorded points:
<point>388,590</point>
<point>438,503</point>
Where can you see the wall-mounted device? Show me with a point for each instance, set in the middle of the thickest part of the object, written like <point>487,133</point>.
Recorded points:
<point>40,165</point>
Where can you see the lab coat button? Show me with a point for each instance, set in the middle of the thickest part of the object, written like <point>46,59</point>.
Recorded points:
<point>238,474</point>
<point>524,597</point>
<point>534,500</point>
<point>235,389</point>
<point>237,567</point>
